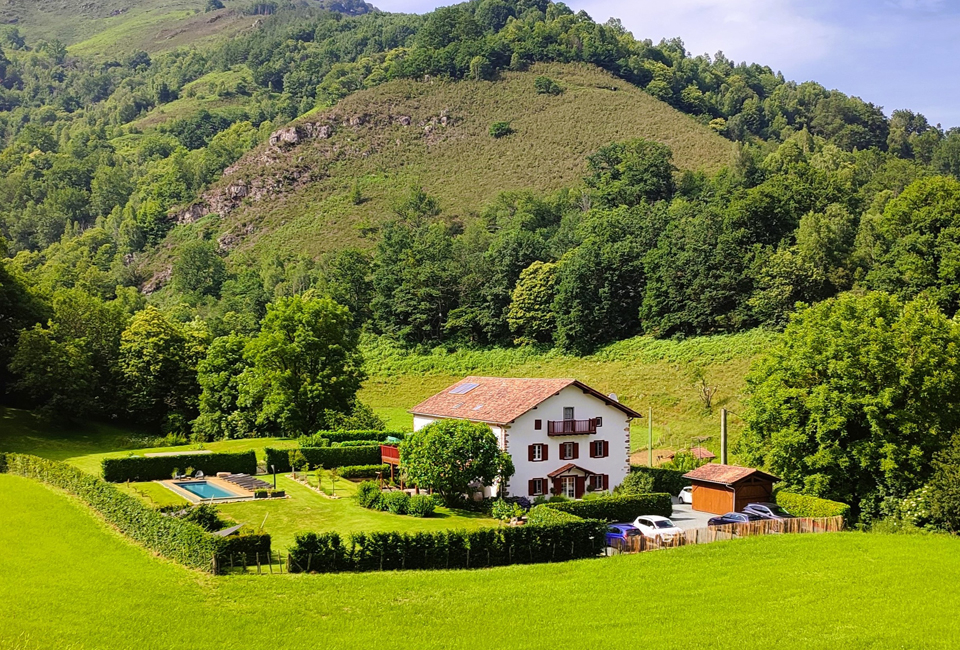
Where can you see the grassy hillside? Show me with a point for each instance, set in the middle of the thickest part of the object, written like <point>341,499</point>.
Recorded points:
<point>436,134</point>
<point>108,593</point>
<point>643,372</point>
<point>102,28</point>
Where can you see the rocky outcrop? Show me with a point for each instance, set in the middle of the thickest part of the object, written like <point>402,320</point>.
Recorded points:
<point>293,135</point>
<point>157,281</point>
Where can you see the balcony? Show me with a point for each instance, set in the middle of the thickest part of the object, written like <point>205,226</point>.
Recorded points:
<point>571,427</point>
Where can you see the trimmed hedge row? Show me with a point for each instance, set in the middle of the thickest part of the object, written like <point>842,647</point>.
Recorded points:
<point>253,546</point>
<point>153,468</point>
<point>181,541</point>
<point>617,508</point>
<point>670,481</point>
<point>801,505</point>
<point>343,436</point>
<point>363,471</point>
<point>450,549</point>
<point>326,456</point>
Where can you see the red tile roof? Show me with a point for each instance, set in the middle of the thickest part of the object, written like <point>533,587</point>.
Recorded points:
<point>725,474</point>
<point>500,400</point>
<point>566,468</point>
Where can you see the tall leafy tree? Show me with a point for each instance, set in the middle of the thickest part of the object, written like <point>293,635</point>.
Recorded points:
<point>856,398</point>
<point>220,375</point>
<point>306,365</point>
<point>626,173</point>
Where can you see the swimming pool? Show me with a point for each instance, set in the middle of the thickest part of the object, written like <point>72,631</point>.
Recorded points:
<point>206,490</point>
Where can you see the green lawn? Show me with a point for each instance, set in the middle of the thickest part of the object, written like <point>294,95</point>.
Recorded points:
<point>68,581</point>
<point>309,511</point>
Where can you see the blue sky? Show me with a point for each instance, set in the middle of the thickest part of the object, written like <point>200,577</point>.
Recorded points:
<point>895,53</point>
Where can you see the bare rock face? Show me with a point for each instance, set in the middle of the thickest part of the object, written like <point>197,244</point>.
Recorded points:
<point>293,135</point>
<point>237,191</point>
<point>404,120</point>
<point>157,281</point>
<point>286,137</point>
<point>192,214</point>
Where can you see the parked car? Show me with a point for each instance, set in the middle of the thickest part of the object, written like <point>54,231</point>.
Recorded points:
<point>733,518</point>
<point>767,511</point>
<point>617,534</point>
<point>686,495</point>
<point>655,526</point>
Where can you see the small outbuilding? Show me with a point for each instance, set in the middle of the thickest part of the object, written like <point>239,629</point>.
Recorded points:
<point>728,488</point>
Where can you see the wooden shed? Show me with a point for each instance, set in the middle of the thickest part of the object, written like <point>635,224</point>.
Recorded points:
<point>727,488</point>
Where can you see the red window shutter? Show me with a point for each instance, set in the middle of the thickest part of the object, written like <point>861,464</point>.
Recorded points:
<point>606,449</point>
<point>531,488</point>
<point>576,451</point>
<point>530,453</point>
<point>538,424</point>
<point>557,488</point>
<point>606,482</point>
<point>580,486</point>
<point>545,448</point>
<point>593,450</point>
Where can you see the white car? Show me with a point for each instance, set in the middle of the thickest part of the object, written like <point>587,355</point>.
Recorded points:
<point>655,526</point>
<point>686,495</point>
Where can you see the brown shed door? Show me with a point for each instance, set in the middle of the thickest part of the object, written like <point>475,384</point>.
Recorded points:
<point>710,498</point>
<point>753,492</point>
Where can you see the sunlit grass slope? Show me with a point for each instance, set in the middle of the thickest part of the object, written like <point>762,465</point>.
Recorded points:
<point>69,582</point>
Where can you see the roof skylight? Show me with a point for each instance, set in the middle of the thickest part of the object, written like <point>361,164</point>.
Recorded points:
<point>463,389</point>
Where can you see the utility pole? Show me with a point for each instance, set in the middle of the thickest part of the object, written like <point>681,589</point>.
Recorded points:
<point>650,441</point>
<point>723,436</point>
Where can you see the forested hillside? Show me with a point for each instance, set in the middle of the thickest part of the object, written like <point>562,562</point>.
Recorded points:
<point>186,224</point>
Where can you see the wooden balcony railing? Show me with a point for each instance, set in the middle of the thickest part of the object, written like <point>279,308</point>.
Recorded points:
<point>571,427</point>
<point>390,454</point>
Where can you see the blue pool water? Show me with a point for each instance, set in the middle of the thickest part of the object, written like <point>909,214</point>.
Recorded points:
<point>205,490</point>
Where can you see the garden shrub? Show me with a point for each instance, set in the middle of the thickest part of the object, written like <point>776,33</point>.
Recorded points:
<point>500,129</point>
<point>543,515</point>
<point>328,457</point>
<point>260,494</point>
<point>421,505</point>
<point>250,545</point>
<point>396,502</point>
<point>154,468</point>
<point>547,86</point>
<point>206,516</point>
<point>363,471</point>
<point>368,495</point>
<point>635,483</point>
<point>801,505</point>
<point>618,508</point>
<point>666,480</point>
<point>448,549</point>
<point>505,510</point>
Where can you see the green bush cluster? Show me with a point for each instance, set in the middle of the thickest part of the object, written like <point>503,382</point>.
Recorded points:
<point>327,457</point>
<point>801,505</point>
<point>543,515</point>
<point>251,545</point>
<point>396,502</point>
<point>421,505</point>
<point>547,86</point>
<point>348,436</point>
<point>670,481</point>
<point>500,129</point>
<point>449,549</point>
<point>153,468</point>
<point>178,539</point>
<point>618,508</point>
<point>363,471</point>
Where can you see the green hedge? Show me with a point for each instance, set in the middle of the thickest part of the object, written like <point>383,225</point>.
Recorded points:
<point>153,468</point>
<point>326,456</point>
<point>250,546</point>
<point>543,515</point>
<point>670,481</point>
<point>364,471</point>
<point>343,436</point>
<point>618,508</point>
<point>450,549</point>
<point>801,505</point>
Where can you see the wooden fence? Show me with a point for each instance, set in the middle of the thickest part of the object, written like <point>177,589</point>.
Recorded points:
<point>639,544</point>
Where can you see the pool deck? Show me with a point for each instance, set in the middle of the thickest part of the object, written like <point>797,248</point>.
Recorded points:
<point>239,494</point>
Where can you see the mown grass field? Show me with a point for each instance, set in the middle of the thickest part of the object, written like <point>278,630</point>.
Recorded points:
<point>67,581</point>
<point>459,163</point>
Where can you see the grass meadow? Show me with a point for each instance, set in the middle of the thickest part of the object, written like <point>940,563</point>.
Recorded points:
<point>68,581</point>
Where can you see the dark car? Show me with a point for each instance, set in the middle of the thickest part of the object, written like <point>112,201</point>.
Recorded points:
<point>733,518</point>
<point>767,511</point>
<point>617,534</point>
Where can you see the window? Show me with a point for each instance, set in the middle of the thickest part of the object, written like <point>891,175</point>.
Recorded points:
<point>568,413</point>
<point>537,453</point>
<point>599,421</point>
<point>568,487</point>
<point>537,487</point>
<point>599,449</point>
<point>567,450</point>
<point>538,424</point>
<point>599,482</point>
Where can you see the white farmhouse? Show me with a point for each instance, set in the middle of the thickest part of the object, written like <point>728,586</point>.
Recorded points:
<point>564,437</point>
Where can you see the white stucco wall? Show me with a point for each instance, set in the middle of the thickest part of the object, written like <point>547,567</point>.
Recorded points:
<point>519,435</point>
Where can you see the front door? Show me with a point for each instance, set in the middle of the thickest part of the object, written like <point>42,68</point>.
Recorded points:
<point>568,486</point>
